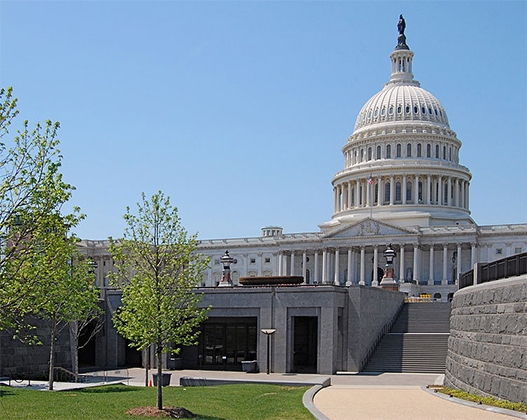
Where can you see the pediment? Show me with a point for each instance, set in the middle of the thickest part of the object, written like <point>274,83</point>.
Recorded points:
<point>369,227</point>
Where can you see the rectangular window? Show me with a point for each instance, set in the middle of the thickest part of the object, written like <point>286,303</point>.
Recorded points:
<point>518,250</point>
<point>253,260</point>
<point>267,259</point>
<point>499,251</point>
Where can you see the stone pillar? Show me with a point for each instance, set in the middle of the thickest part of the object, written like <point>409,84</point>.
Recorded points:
<point>444,280</point>
<point>362,263</point>
<point>392,191</point>
<point>279,263</point>
<point>324,266</point>
<point>401,264</point>
<point>473,254</point>
<point>374,281</point>
<point>316,278</point>
<point>336,280</point>
<point>292,262</point>
<point>415,267</point>
<point>348,279</point>
<point>459,261</point>
<point>304,265</point>
<point>431,269</point>
<point>403,188</point>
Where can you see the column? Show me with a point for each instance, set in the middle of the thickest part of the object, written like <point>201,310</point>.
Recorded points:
<point>336,280</point>
<point>416,190</point>
<point>324,266</point>
<point>335,195</point>
<point>279,263</point>
<point>428,189</point>
<point>357,190</point>
<point>348,277</point>
<point>284,265</point>
<point>431,269</point>
<point>304,265</point>
<point>374,281</point>
<point>401,264</point>
<point>458,268</point>
<point>293,263</point>
<point>473,255</point>
<point>403,190</point>
<point>449,192</point>
<point>440,191</point>
<point>362,268</point>
<point>349,194</point>
<point>380,194</point>
<point>463,194</point>
<point>316,269</point>
<point>392,191</point>
<point>416,264</point>
<point>444,281</point>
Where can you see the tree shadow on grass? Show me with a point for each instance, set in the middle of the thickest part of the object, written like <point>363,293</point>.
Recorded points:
<point>5,391</point>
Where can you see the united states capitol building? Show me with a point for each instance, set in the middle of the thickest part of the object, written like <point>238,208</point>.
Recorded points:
<point>402,185</point>
<point>402,188</point>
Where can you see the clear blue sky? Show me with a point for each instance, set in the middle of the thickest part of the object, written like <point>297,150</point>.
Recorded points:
<point>238,109</point>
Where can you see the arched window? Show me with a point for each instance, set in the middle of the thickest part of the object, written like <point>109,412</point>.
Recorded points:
<point>409,191</point>
<point>408,150</point>
<point>388,151</point>
<point>378,152</point>
<point>437,151</point>
<point>352,196</point>
<point>428,151</point>
<point>398,192</point>
<point>420,192</point>
<point>398,150</point>
<point>376,194</point>
<point>418,149</point>
<point>369,153</point>
<point>444,152</point>
<point>450,154</point>
<point>387,192</point>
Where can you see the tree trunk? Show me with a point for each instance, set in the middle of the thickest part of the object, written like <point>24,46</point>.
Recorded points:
<point>159,377</point>
<point>52,354</point>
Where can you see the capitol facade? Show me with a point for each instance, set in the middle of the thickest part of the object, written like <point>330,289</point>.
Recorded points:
<point>402,185</point>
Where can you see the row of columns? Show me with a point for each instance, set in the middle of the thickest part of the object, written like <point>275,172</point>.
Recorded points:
<point>361,192</point>
<point>327,264</point>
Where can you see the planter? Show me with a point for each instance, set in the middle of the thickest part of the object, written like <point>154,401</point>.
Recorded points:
<point>249,366</point>
<point>165,379</point>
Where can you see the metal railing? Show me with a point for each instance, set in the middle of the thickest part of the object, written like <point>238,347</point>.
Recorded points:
<point>515,265</point>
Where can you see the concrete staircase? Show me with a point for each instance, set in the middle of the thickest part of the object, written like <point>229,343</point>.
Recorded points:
<point>417,342</point>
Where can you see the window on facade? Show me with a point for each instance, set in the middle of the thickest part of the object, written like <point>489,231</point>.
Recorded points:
<point>450,154</point>
<point>362,155</point>
<point>378,152</point>
<point>360,196</point>
<point>353,196</point>
<point>418,149</point>
<point>388,151</point>
<point>369,153</point>
<point>391,110</point>
<point>398,191</point>
<point>499,251</point>
<point>267,260</point>
<point>253,260</point>
<point>420,191</point>
<point>376,194</point>
<point>518,250</point>
<point>408,191</point>
<point>437,151</point>
<point>387,193</point>
<point>444,152</point>
<point>445,194</point>
<point>407,109</point>
<point>408,150</point>
<point>398,151</point>
<point>428,151</point>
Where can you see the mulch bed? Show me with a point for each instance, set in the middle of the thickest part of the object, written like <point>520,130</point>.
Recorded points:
<point>172,412</point>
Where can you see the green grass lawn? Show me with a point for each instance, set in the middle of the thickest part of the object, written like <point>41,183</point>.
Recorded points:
<point>229,402</point>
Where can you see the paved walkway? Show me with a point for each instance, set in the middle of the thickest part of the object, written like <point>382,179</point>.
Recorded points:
<point>387,396</point>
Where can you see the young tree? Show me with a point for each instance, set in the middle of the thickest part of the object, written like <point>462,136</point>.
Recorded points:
<point>31,189</point>
<point>66,291</point>
<point>157,271</point>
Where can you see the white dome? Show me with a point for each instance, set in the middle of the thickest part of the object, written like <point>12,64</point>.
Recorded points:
<point>402,102</point>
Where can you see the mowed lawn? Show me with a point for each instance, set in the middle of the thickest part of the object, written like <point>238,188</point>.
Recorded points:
<point>229,402</point>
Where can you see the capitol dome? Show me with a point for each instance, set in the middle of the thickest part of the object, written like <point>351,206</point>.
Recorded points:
<point>401,163</point>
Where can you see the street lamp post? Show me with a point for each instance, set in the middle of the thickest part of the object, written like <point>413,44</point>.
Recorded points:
<point>268,332</point>
<point>388,280</point>
<point>226,262</point>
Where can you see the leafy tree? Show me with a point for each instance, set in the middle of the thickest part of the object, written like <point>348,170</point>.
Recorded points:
<point>157,271</point>
<point>67,292</point>
<point>31,189</point>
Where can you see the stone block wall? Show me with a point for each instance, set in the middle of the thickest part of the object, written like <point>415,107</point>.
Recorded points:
<point>487,348</point>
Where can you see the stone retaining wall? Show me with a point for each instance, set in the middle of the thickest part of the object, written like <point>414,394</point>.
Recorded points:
<point>487,348</point>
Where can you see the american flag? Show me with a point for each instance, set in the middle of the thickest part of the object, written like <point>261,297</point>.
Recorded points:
<point>370,180</point>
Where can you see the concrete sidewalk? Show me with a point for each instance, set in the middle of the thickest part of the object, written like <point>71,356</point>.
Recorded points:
<point>386,396</point>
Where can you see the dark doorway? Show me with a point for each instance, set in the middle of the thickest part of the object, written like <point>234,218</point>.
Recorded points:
<point>305,344</point>
<point>226,342</point>
<point>86,350</point>
<point>133,357</point>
